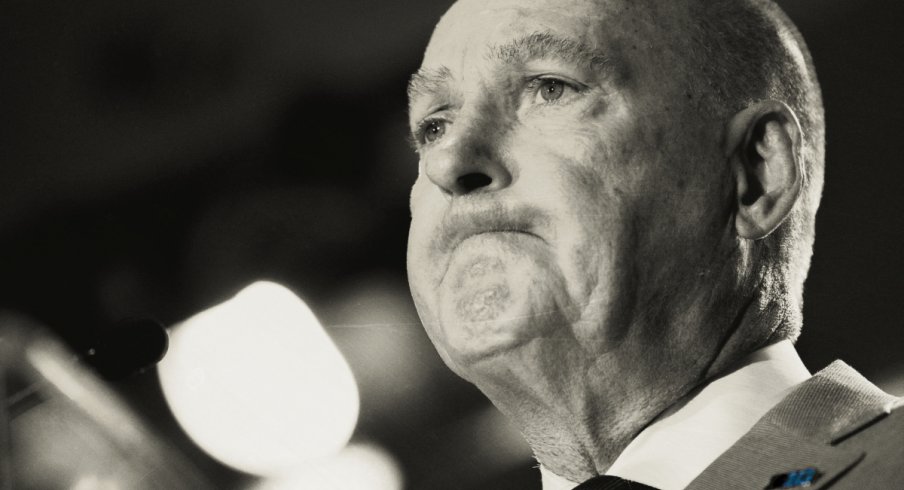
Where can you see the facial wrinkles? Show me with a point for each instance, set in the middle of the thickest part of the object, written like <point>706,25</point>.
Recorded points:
<point>612,166</point>
<point>582,153</point>
<point>466,51</point>
<point>581,136</point>
<point>620,207</point>
<point>466,32</point>
<point>427,86</point>
<point>603,283</point>
<point>581,218</point>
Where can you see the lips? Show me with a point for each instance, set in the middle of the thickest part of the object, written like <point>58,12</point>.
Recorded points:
<point>464,222</point>
<point>502,233</point>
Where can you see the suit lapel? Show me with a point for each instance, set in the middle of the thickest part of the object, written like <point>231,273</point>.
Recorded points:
<point>767,451</point>
<point>799,432</point>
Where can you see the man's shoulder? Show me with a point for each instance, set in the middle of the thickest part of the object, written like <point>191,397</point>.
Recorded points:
<point>879,439</point>
<point>836,428</point>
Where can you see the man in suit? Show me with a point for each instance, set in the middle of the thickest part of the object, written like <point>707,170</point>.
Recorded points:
<point>611,227</point>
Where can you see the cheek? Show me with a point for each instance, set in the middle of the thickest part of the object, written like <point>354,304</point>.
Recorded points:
<point>426,210</point>
<point>569,131</point>
<point>427,205</point>
<point>596,239</point>
<point>586,182</point>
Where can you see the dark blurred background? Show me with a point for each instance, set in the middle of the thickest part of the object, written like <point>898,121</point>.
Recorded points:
<point>155,157</point>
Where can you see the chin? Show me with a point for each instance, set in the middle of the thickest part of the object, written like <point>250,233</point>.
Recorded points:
<point>470,347</point>
<point>495,314</point>
<point>470,343</point>
<point>495,293</point>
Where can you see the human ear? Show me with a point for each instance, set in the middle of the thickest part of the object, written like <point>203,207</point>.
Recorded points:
<point>762,146</point>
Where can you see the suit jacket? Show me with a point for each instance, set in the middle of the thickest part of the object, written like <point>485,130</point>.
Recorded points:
<point>837,426</point>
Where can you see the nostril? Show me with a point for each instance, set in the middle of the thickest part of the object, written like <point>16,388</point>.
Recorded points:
<point>472,182</point>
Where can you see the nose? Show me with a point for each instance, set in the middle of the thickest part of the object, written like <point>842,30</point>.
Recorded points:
<point>468,161</point>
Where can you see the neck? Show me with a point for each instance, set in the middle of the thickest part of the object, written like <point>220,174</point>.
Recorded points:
<point>578,416</point>
<point>574,414</point>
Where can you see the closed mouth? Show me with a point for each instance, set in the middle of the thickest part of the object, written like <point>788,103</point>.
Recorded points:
<point>494,231</point>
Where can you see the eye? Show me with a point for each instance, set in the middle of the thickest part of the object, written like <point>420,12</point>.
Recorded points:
<point>551,90</point>
<point>431,130</point>
<point>434,130</point>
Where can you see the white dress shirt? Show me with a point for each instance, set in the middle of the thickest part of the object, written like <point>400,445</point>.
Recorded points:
<point>687,438</point>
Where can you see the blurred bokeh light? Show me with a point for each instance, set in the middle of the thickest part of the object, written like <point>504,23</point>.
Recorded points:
<point>258,384</point>
<point>356,467</point>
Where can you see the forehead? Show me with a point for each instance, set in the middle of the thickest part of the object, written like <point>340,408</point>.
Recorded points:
<point>473,27</point>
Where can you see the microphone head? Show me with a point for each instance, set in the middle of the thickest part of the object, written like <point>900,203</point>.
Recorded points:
<point>128,347</point>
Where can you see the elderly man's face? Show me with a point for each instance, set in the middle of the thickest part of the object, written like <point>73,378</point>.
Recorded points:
<point>571,200</point>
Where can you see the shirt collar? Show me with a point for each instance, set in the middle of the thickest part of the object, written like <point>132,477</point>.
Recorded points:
<point>687,438</point>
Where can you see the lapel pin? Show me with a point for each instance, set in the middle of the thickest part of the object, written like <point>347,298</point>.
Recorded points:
<point>794,479</point>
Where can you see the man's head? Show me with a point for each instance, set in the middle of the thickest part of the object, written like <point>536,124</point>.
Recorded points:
<point>612,193</point>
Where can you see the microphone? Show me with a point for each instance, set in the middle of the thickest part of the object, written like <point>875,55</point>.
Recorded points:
<point>128,347</point>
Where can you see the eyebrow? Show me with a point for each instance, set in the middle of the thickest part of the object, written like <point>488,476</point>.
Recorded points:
<point>539,45</point>
<point>544,45</point>
<point>428,81</point>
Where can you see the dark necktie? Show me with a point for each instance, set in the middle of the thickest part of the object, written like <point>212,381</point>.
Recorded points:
<point>607,482</point>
